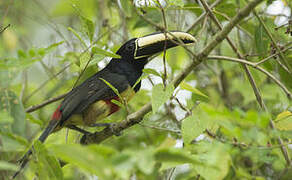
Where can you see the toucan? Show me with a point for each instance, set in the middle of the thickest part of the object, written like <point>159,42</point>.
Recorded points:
<point>91,101</point>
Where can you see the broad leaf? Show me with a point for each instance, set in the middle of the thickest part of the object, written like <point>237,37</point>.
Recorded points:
<point>284,121</point>
<point>78,36</point>
<point>151,71</point>
<point>8,166</point>
<point>88,25</point>
<point>96,50</point>
<point>161,95</point>
<point>192,89</point>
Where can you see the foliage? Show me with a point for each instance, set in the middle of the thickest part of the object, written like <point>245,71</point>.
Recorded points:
<point>209,127</point>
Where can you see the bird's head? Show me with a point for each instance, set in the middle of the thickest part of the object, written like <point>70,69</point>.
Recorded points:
<point>141,48</point>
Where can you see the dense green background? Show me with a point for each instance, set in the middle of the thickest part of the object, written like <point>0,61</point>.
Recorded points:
<point>48,45</point>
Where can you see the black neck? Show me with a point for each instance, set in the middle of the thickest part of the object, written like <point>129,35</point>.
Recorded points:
<point>131,69</point>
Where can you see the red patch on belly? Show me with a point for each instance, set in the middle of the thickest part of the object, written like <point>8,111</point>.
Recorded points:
<point>113,107</point>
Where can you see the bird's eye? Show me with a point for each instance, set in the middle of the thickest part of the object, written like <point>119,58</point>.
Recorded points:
<point>130,47</point>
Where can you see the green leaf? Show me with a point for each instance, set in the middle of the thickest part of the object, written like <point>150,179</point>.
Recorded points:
<point>21,54</point>
<point>5,118</point>
<point>69,8</point>
<point>87,158</point>
<point>18,63</point>
<point>283,115</point>
<point>151,71</point>
<point>8,166</point>
<point>215,160</point>
<point>88,26</point>
<point>175,155</point>
<point>160,96</point>
<point>48,166</point>
<point>261,40</point>
<point>15,137</point>
<point>228,8</point>
<point>77,35</point>
<point>145,160</point>
<point>139,80</point>
<point>192,127</point>
<point>190,88</point>
<point>284,75</point>
<point>284,121</point>
<point>97,50</point>
<point>52,46</point>
<point>118,103</point>
<point>112,87</point>
<point>12,112</point>
<point>179,3</point>
<point>269,2</point>
<point>123,162</point>
<point>127,7</point>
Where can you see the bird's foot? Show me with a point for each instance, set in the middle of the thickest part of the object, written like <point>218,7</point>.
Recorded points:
<point>101,125</point>
<point>114,130</point>
<point>73,127</point>
<point>111,126</point>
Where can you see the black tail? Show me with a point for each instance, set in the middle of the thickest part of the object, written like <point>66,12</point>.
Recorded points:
<point>24,160</point>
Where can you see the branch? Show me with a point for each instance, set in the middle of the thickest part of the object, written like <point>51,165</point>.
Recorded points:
<point>273,55</point>
<point>202,16</point>
<point>137,116</point>
<point>254,65</point>
<point>49,101</point>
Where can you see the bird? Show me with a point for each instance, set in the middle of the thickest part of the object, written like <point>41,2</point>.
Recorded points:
<point>91,101</point>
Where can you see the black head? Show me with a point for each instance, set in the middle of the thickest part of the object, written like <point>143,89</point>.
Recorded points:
<point>127,50</point>
<point>135,53</point>
<point>138,49</point>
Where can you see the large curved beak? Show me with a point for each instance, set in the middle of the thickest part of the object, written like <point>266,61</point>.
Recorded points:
<point>151,44</point>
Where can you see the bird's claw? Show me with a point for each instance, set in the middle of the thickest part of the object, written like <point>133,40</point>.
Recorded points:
<point>111,126</point>
<point>114,130</point>
<point>73,127</point>
<point>101,125</point>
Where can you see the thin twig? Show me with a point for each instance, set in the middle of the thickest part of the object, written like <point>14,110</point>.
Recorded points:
<point>242,145</point>
<point>148,21</point>
<point>201,17</point>
<point>271,56</point>
<point>2,30</point>
<point>160,128</point>
<point>165,43</point>
<point>49,101</point>
<point>282,57</point>
<point>171,173</point>
<point>181,105</point>
<point>238,26</point>
<point>281,85</point>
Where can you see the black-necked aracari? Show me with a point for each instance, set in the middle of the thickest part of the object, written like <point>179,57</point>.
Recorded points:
<point>91,101</point>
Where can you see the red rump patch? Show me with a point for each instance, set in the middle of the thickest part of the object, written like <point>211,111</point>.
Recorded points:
<point>57,114</point>
<point>113,107</point>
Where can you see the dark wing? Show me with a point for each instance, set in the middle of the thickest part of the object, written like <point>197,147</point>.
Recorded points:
<point>92,90</point>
